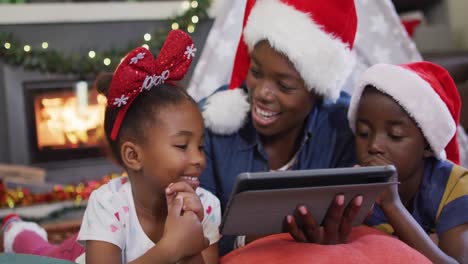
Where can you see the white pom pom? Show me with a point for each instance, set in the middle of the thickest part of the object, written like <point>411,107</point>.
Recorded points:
<point>18,227</point>
<point>226,112</point>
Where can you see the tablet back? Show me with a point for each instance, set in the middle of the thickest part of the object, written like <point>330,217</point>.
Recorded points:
<point>262,211</point>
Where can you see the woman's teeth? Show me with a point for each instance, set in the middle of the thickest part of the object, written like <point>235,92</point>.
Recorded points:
<point>190,178</point>
<point>264,113</point>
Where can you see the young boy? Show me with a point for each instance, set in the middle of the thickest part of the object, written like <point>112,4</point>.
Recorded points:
<point>407,115</point>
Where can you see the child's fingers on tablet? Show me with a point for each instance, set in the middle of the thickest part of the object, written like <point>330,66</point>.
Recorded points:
<point>309,226</point>
<point>348,217</point>
<point>292,228</point>
<point>332,221</point>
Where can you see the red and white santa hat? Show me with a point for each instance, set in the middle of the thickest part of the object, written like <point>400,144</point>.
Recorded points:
<point>427,93</point>
<point>316,36</point>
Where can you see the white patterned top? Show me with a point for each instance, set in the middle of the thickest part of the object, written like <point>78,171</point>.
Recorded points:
<point>111,217</point>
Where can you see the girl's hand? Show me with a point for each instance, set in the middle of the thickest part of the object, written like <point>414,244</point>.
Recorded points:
<point>390,194</point>
<point>183,232</point>
<point>191,200</point>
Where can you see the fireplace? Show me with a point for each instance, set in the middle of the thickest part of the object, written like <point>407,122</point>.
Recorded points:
<point>64,120</point>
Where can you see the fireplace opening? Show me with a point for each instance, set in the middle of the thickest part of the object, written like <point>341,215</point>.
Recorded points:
<point>65,120</point>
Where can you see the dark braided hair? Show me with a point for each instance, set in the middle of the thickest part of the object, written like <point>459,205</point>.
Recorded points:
<point>141,113</point>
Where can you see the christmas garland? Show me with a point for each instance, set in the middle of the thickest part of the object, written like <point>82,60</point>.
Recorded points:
<point>13,198</point>
<point>14,52</point>
<point>74,196</point>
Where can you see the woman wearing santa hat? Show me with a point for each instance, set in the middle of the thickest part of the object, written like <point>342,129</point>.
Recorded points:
<point>283,109</point>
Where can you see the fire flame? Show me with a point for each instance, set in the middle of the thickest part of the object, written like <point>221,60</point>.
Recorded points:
<point>63,122</point>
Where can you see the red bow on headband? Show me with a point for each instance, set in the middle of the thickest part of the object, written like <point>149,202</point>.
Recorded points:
<point>139,71</point>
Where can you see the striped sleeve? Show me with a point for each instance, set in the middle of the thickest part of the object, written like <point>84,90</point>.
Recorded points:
<point>454,204</point>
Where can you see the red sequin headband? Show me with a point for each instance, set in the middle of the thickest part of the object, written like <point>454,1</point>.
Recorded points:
<point>139,71</point>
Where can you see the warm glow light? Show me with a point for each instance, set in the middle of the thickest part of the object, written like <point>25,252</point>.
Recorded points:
<point>27,48</point>
<point>102,99</point>
<point>62,122</point>
<point>7,45</point>
<point>195,19</point>
<point>92,54</point>
<point>194,4</point>
<point>45,45</point>
<point>191,29</point>
<point>10,202</point>
<point>107,61</point>
<point>147,37</point>
<point>186,5</point>
<point>175,26</point>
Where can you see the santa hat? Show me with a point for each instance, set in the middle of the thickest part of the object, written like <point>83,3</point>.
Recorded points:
<point>427,93</point>
<point>316,36</point>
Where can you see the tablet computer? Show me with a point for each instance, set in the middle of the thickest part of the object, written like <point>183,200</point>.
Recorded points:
<point>260,201</point>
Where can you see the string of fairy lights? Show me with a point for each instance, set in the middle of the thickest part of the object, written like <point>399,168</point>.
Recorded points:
<point>45,59</point>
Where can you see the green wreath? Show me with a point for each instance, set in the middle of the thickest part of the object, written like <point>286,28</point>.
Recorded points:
<point>14,52</point>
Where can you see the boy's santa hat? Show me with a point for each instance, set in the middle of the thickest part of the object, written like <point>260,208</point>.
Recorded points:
<point>427,93</point>
<point>316,36</point>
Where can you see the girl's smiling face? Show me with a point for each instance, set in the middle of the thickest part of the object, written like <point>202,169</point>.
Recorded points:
<point>173,148</point>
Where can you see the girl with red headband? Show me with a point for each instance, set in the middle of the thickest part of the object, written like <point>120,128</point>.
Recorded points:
<point>158,214</point>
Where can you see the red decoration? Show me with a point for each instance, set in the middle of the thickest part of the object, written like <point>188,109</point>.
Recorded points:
<point>22,197</point>
<point>411,25</point>
<point>140,71</point>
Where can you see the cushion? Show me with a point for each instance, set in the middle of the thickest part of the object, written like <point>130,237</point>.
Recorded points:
<point>366,245</point>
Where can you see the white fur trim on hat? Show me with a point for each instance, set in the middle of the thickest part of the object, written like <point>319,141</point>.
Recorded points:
<point>16,228</point>
<point>322,60</point>
<point>416,96</point>
<point>225,112</point>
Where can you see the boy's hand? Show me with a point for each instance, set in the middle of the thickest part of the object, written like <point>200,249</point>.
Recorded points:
<point>390,195</point>
<point>191,200</point>
<point>375,160</point>
<point>183,232</point>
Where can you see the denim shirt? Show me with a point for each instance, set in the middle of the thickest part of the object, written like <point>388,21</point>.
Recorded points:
<point>327,142</point>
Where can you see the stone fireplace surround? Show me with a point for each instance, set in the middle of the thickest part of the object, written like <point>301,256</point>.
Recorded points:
<point>18,137</point>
